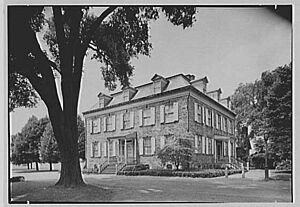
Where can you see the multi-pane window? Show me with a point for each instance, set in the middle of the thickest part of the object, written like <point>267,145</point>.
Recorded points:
<point>215,120</point>
<point>101,103</point>
<point>225,148</point>
<point>209,146</point>
<point>96,126</point>
<point>126,96</point>
<point>225,124</point>
<point>219,121</point>
<point>169,112</point>
<point>147,116</point>
<point>126,120</point>
<point>198,144</point>
<point>111,123</point>
<point>95,150</point>
<point>198,113</point>
<point>209,117</point>
<point>147,146</point>
<point>157,87</point>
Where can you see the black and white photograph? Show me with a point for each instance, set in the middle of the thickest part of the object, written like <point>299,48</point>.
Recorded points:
<point>149,104</point>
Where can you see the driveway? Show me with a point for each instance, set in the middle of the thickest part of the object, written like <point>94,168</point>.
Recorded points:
<point>173,189</point>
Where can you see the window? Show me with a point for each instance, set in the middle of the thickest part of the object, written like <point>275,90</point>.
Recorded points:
<point>147,116</point>
<point>157,87</point>
<point>126,95</point>
<point>169,112</point>
<point>209,117</point>
<point>198,144</point>
<point>198,113</point>
<point>147,146</point>
<point>101,103</point>
<point>225,148</point>
<point>126,120</point>
<point>215,120</point>
<point>219,121</point>
<point>226,125</point>
<point>110,123</point>
<point>209,146</point>
<point>95,150</point>
<point>96,126</point>
<point>169,139</point>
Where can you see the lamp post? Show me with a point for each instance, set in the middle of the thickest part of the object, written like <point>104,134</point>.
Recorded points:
<point>266,157</point>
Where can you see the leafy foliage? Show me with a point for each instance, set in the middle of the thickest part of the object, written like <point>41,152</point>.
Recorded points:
<point>81,137</point>
<point>21,93</point>
<point>49,148</point>
<point>266,105</point>
<point>178,153</point>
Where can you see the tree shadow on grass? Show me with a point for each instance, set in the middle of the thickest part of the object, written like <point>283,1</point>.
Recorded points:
<point>34,171</point>
<point>58,194</point>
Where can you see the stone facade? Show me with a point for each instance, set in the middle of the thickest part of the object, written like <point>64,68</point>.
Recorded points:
<point>133,131</point>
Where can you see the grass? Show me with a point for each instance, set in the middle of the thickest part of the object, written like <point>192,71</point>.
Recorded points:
<point>37,192</point>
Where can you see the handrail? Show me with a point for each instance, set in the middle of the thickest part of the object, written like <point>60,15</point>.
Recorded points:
<point>103,166</point>
<point>119,169</point>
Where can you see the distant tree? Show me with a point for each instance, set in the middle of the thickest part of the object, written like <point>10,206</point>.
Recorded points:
<point>19,147</point>
<point>279,113</point>
<point>49,149</point>
<point>178,153</point>
<point>32,132</point>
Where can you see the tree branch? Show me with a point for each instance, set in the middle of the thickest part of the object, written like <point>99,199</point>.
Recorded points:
<point>96,24</point>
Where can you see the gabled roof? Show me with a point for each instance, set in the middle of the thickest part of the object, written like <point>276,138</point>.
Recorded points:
<point>157,77</point>
<point>201,79</point>
<point>217,90</point>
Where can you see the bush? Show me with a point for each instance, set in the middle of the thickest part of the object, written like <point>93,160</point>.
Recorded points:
<point>194,174</point>
<point>284,165</point>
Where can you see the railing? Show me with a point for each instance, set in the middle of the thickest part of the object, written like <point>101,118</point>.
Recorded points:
<point>103,166</point>
<point>119,167</point>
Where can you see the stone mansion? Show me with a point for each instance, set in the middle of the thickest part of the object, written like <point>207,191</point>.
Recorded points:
<point>132,125</point>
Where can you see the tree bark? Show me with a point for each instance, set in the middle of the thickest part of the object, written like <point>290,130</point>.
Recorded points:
<point>28,165</point>
<point>50,163</point>
<point>37,166</point>
<point>31,165</point>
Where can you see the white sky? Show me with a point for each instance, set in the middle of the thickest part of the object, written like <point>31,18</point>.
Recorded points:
<point>228,45</point>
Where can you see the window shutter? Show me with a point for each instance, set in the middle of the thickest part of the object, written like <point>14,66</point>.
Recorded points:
<point>92,150</point>
<point>206,116</point>
<point>99,124</point>
<point>140,117</point>
<point>105,148</point>
<point>131,116</point>
<point>162,142</point>
<point>228,125</point>
<point>99,149</point>
<point>104,124</point>
<point>121,121</point>
<point>87,122</point>
<point>202,115</point>
<point>91,126</point>
<point>113,125</point>
<point>162,114</point>
<point>175,108</point>
<point>212,146</point>
<point>224,148</point>
<point>203,144</point>
<point>207,152</point>
<point>196,143</point>
<point>196,112</point>
<point>102,149</point>
<point>152,145</point>
<point>141,146</point>
<point>213,118</point>
<point>152,122</point>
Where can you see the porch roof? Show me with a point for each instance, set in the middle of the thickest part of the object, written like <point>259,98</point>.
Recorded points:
<point>127,136</point>
<point>220,137</point>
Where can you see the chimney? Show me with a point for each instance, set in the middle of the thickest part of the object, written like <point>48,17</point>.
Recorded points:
<point>190,77</point>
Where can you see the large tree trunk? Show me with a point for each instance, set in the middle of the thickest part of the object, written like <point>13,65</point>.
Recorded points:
<point>28,165</point>
<point>70,175</point>
<point>50,163</point>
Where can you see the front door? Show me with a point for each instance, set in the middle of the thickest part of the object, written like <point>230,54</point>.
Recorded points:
<point>130,151</point>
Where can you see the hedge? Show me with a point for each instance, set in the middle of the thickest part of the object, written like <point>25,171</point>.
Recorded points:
<point>194,174</point>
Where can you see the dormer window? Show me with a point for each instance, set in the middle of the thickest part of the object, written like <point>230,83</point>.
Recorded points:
<point>128,93</point>
<point>103,100</point>
<point>126,96</point>
<point>157,87</point>
<point>159,83</point>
